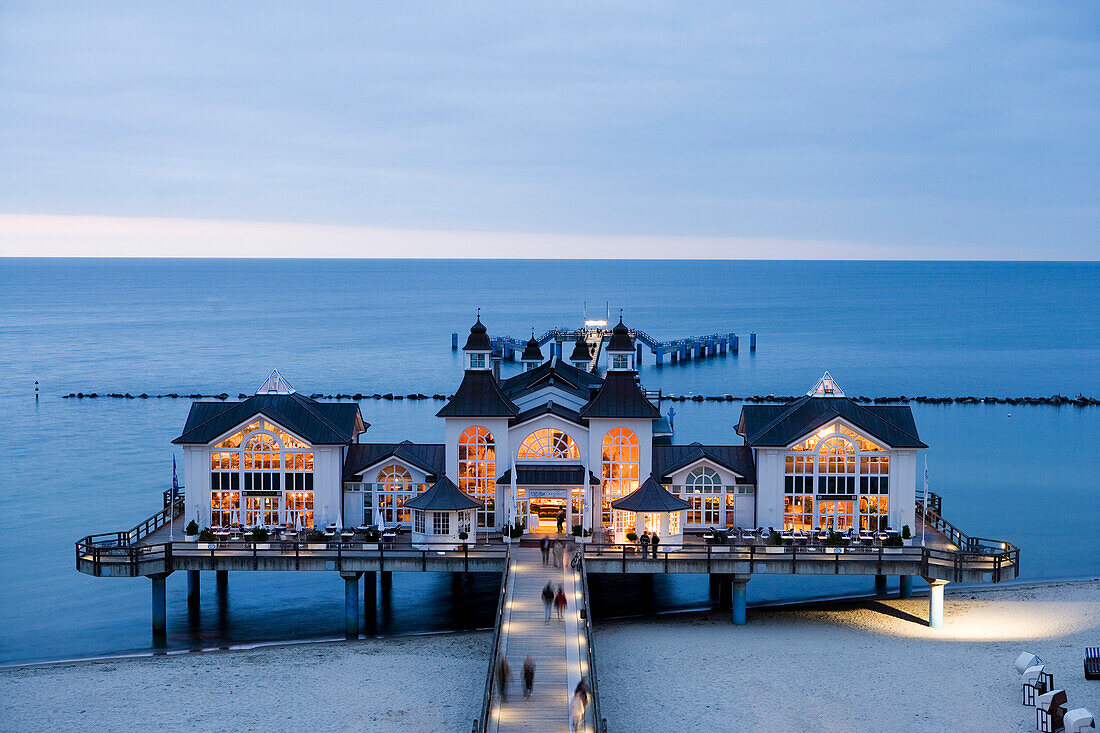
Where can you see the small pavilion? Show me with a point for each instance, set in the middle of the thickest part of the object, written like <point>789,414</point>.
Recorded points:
<point>441,515</point>
<point>655,511</point>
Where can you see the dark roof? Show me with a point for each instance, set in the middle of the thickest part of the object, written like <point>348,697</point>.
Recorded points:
<point>549,408</point>
<point>548,476</point>
<point>581,352</point>
<point>649,497</point>
<point>781,425</point>
<point>479,395</point>
<point>317,423</point>
<point>428,457</point>
<point>443,496</point>
<point>667,459</point>
<point>620,396</point>
<point>620,338</point>
<point>554,372</point>
<point>531,352</point>
<point>479,339</point>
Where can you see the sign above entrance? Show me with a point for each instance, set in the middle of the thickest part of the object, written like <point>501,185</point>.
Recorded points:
<point>547,493</point>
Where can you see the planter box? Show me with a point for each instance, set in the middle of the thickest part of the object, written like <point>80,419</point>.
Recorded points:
<point>719,549</point>
<point>772,550</point>
<point>892,550</point>
<point>192,537</point>
<point>907,542</point>
<point>370,546</point>
<point>263,545</point>
<point>316,545</point>
<point>507,540</point>
<point>834,550</point>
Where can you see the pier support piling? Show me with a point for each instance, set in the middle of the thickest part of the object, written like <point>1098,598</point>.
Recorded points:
<point>351,604</point>
<point>160,605</point>
<point>223,581</point>
<point>752,341</point>
<point>935,603</point>
<point>387,580</point>
<point>880,584</point>
<point>740,599</point>
<point>905,586</point>
<point>192,587</point>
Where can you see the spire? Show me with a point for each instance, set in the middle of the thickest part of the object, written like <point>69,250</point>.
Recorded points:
<point>826,387</point>
<point>620,338</point>
<point>532,354</point>
<point>275,384</point>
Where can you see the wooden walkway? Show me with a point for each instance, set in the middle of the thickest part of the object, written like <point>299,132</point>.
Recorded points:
<point>554,647</point>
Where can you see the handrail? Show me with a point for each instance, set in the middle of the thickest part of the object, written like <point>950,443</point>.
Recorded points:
<point>598,723</point>
<point>961,540</point>
<point>482,725</point>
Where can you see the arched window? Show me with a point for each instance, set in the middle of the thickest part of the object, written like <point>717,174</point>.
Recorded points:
<point>620,467</point>
<point>836,483</point>
<point>703,490</point>
<point>548,444</point>
<point>477,471</point>
<point>703,480</point>
<point>395,487</point>
<point>271,467</point>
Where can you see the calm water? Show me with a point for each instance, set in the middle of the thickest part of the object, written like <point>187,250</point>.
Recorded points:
<point>69,468</point>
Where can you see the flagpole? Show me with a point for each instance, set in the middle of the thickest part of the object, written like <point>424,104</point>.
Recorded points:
<point>924,519</point>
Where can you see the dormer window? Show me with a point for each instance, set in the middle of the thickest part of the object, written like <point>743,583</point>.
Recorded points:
<point>477,361</point>
<point>620,361</point>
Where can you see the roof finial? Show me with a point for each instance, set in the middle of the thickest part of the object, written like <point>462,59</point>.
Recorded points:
<point>620,315</point>
<point>479,313</point>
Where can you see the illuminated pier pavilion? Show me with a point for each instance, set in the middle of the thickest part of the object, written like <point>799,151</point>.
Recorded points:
<point>820,485</point>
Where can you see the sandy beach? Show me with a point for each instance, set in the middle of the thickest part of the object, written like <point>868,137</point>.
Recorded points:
<point>850,666</point>
<point>844,666</point>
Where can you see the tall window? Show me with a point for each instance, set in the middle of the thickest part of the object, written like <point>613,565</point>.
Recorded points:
<point>548,444</point>
<point>262,461</point>
<point>703,491</point>
<point>798,493</point>
<point>394,489</point>
<point>299,506</point>
<point>477,471</point>
<point>620,468</point>
<point>822,474</point>
<point>441,523</point>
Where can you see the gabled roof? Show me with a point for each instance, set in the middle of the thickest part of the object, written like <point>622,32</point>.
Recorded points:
<point>668,459</point>
<point>781,425</point>
<point>620,396</point>
<point>548,408</point>
<point>479,395</point>
<point>428,457</point>
<point>317,423</point>
<point>554,372</point>
<point>650,497</point>
<point>443,496</point>
<point>548,476</point>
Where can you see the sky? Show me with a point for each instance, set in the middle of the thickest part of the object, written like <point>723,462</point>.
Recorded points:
<point>864,130</point>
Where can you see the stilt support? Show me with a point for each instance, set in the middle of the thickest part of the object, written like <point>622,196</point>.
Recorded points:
<point>740,599</point>
<point>880,584</point>
<point>935,603</point>
<point>192,587</point>
<point>905,586</point>
<point>223,581</point>
<point>160,605</point>
<point>351,604</point>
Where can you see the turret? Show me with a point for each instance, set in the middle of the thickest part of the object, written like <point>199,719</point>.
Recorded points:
<point>532,354</point>
<point>581,356</point>
<point>620,349</point>
<point>478,350</point>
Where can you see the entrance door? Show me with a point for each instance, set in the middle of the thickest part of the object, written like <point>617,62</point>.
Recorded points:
<point>835,514</point>
<point>544,515</point>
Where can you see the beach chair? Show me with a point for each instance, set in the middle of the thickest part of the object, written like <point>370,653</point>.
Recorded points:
<point>1025,660</point>
<point>1078,720</point>
<point>1050,709</point>
<point>1092,663</point>
<point>1036,682</point>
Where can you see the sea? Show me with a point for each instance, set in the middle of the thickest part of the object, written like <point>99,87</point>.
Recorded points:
<point>72,467</point>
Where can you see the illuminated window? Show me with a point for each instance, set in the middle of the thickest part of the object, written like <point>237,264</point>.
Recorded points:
<point>834,515</point>
<point>395,487</point>
<point>299,505</point>
<point>261,511</point>
<point>836,467</point>
<point>874,512</point>
<point>263,461</point>
<point>548,444</point>
<point>477,471</point>
<point>702,489</point>
<point>798,513</point>
<point>620,471</point>
<point>224,508</point>
<point>874,475</point>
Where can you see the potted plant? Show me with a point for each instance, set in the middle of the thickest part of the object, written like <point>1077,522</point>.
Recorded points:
<point>371,539</point>
<point>315,540</point>
<point>191,532</point>
<point>834,543</point>
<point>631,537</point>
<point>892,545</point>
<point>773,543</point>
<point>207,535</point>
<point>260,536</point>
<point>720,541</point>
<point>906,535</point>
<point>463,536</point>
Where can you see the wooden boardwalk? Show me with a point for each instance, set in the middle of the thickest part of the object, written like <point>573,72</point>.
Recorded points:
<point>554,647</point>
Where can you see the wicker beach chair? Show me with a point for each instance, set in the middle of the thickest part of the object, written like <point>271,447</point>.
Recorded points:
<point>1092,663</point>
<point>1050,708</point>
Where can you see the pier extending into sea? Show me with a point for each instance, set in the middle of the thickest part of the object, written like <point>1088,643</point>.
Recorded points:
<point>563,651</point>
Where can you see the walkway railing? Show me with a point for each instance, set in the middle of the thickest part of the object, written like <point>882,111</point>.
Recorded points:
<point>960,539</point>
<point>599,724</point>
<point>482,724</point>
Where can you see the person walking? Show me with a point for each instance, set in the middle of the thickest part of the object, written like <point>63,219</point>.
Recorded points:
<point>504,673</point>
<point>528,676</point>
<point>559,552</point>
<point>545,546</point>
<point>644,540</point>
<point>547,601</point>
<point>560,603</point>
<point>577,706</point>
<point>561,521</point>
<point>655,540</point>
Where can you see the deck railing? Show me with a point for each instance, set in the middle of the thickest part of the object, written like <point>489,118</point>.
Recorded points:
<point>599,725</point>
<point>482,724</point>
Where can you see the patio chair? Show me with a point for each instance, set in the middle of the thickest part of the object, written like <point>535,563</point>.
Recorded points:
<point>1078,720</point>
<point>1050,709</point>
<point>1092,663</point>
